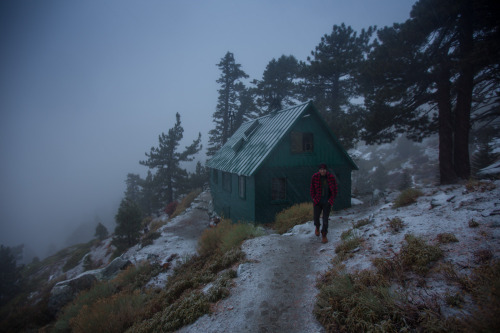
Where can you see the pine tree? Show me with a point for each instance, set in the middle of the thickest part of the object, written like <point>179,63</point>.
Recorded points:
<point>101,232</point>
<point>331,79</point>
<point>422,75</point>
<point>165,160</point>
<point>133,191</point>
<point>9,274</point>
<point>128,223</point>
<point>227,103</point>
<point>278,88</point>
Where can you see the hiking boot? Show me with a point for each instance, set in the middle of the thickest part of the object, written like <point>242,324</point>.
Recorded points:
<point>316,232</point>
<point>323,238</point>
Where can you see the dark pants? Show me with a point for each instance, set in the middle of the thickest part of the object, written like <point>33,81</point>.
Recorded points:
<point>325,208</point>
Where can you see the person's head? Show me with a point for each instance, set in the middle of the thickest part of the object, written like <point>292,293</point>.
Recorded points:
<point>322,169</point>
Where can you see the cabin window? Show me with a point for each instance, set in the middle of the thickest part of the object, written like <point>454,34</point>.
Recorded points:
<point>215,176</point>
<point>226,181</point>
<point>302,142</point>
<point>242,187</point>
<point>278,191</point>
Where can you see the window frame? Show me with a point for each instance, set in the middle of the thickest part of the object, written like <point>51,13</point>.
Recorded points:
<point>227,181</point>
<point>242,187</point>
<point>278,193</point>
<point>301,142</point>
<point>215,176</point>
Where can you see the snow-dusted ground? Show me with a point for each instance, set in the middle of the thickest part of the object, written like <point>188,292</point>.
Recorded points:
<point>275,290</point>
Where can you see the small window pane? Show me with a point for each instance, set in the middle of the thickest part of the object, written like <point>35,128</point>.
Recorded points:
<point>301,142</point>
<point>307,141</point>
<point>242,187</point>
<point>226,181</point>
<point>278,191</point>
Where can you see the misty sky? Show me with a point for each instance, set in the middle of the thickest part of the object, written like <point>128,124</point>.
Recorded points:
<point>86,87</point>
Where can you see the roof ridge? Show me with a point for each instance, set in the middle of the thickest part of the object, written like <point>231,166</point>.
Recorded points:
<point>278,111</point>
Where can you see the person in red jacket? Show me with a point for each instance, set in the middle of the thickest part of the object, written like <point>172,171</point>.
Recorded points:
<point>323,193</point>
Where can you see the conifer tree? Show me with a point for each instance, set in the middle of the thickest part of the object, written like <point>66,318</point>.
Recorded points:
<point>101,232</point>
<point>278,88</point>
<point>331,79</point>
<point>423,73</point>
<point>227,103</point>
<point>165,160</point>
<point>133,191</point>
<point>128,223</point>
<point>9,274</point>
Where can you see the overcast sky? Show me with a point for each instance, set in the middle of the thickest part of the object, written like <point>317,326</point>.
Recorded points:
<point>86,87</point>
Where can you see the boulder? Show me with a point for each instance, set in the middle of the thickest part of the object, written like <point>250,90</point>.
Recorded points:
<point>114,267</point>
<point>65,291</point>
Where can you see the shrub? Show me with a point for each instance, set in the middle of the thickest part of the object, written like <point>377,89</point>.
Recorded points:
<point>149,238</point>
<point>295,215</point>
<point>454,300</point>
<point>486,282</point>
<point>473,224</point>
<point>113,314</point>
<point>417,255</point>
<point>350,241</point>
<point>474,185</point>
<point>171,207</point>
<point>358,303</point>
<point>396,224</point>
<point>361,223</point>
<point>407,197</point>
<point>185,203</point>
<point>446,238</point>
<point>78,252</point>
<point>225,236</point>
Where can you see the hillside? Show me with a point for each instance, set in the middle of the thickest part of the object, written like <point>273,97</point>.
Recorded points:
<point>282,280</point>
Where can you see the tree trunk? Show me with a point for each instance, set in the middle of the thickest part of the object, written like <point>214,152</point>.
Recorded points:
<point>465,86</point>
<point>447,173</point>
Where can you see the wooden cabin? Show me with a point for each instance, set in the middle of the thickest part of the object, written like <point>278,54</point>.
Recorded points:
<point>267,164</point>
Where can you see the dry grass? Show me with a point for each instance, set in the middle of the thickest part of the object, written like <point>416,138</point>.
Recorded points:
<point>186,202</point>
<point>445,238</point>
<point>407,197</point>
<point>417,255</point>
<point>474,185</point>
<point>225,236</point>
<point>295,215</point>
<point>361,223</point>
<point>396,224</point>
<point>350,240</point>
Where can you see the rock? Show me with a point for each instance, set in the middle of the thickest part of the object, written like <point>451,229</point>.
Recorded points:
<point>65,291</point>
<point>114,267</point>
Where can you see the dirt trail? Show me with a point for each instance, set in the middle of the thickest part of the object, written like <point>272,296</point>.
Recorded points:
<point>275,290</point>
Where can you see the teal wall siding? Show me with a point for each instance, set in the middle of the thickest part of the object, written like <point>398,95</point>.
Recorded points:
<point>228,204</point>
<point>296,168</point>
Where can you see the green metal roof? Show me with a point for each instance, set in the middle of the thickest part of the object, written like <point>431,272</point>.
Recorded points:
<point>253,141</point>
